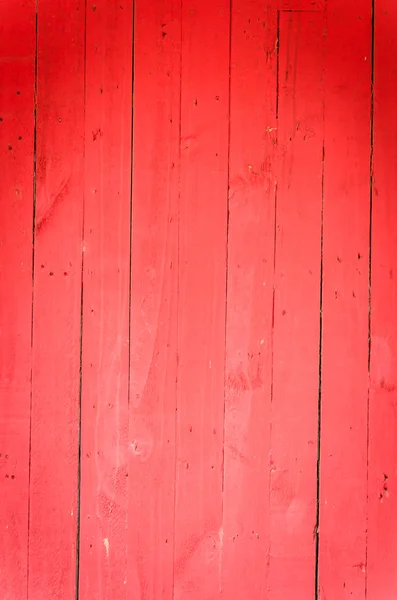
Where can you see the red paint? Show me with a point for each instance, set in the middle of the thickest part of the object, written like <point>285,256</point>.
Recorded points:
<point>252,188</point>
<point>54,451</point>
<point>382,577</point>
<point>106,280</point>
<point>154,300</point>
<point>17,52</point>
<point>294,411</point>
<point>299,5</point>
<point>343,498</point>
<point>159,417</point>
<point>201,299</point>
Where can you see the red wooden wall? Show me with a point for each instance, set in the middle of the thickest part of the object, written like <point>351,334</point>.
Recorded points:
<point>198,300</point>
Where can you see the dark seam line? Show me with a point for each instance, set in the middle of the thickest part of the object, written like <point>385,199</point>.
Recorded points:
<point>78,520</point>
<point>300,10</point>
<point>227,276</point>
<point>320,363</point>
<point>33,278</point>
<point>130,269</point>
<point>371,185</point>
<point>319,418</point>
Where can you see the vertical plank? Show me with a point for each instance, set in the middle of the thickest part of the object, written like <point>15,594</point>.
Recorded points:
<point>57,301</point>
<point>202,286</point>
<point>382,524</point>
<point>154,295</point>
<point>17,75</point>
<point>106,279</point>
<point>343,485</point>
<point>253,140</point>
<point>294,416</point>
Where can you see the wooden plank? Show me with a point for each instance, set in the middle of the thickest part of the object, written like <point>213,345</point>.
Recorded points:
<point>382,524</point>
<point>301,5</point>
<point>17,75</point>
<point>294,415</point>
<point>106,281</point>
<point>253,140</point>
<point>343,491</point>
<point>202,288</point>
<point>154,299</point>
<point>57,301</point>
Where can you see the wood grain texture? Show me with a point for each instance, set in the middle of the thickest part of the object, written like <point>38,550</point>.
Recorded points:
<point>343,490</point>
<point>300,5</point>
<point>202,296</point>
<point>382,526</point>
<point>57,301</point>
<point>248,378</point>
<point>17,75</point>
<point>154,299</point>
<point>106,281</point>
<point>294,413</point>
<point>197,387</point>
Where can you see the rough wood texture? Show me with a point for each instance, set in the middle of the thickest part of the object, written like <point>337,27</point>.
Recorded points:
<point>197,299</point>
<point>106,281</point>
<point>382,524</point>
<point>294,412</point>
<point>248,377</point>
<point>154,299</point>
<point>343,473</point>
<point>17,91</point>
<point>202,298</point>
<point>58,228</point>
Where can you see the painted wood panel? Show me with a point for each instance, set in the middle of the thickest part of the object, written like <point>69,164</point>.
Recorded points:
<point>196,300</point>
<point>382,548</point>
<point>300,5</point>
<point>204,143</point>
<point>106,282</point>
<point>249,330</point>
<point>297,263</point>
<point>17,105</point>
<point>58,231</point>
<point>154,299</point>
<point>344,422</point>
